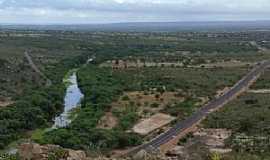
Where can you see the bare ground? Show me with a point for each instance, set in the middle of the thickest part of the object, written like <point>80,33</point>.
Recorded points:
<point>156,121</point>
<point>262,91</point>
<point>108,121</point>
<point>208,140</point>
<point>4,102</point>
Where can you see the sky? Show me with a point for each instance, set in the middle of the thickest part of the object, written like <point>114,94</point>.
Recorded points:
<point>117,11</point>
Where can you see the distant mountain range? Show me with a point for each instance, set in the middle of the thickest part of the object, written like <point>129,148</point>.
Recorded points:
<point>151,26</point>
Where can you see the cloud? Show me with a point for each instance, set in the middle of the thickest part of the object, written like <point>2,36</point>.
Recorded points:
<point>100,11</point>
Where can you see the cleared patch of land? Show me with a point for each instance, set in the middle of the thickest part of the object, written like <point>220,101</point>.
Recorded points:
<point>156,121</point>
<point>5,102</point>
<point>214,138</point>
<point>108,121</point>
<point>201,143</point>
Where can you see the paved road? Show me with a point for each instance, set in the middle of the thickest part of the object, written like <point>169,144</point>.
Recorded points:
<point>181,126</point>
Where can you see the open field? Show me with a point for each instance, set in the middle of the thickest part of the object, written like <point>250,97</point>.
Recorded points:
<point>154,122</point>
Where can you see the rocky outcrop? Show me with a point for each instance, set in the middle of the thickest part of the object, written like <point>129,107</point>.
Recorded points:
<point>213,138</point>
<point>76,155</point>
<point>33,151</point>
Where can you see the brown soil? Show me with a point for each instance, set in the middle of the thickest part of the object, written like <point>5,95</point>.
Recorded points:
<point>4,102</point>
<point>208,140</point>
<point>213,137</point>
<point>108,121</point>
<point>156,121</point>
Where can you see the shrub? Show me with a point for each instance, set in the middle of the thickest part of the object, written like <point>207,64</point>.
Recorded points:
<point>125,98</point>
<point>154,105</point>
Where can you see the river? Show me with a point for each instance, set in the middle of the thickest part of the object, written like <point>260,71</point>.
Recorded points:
<point>72,100</point>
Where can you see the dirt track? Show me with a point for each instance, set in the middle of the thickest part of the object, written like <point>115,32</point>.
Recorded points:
<point>36,69</point>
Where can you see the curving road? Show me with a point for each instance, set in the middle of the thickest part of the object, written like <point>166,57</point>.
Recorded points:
<point>213,105</point>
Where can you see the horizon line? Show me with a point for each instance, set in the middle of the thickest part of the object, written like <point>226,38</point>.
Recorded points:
<point>131,22</point>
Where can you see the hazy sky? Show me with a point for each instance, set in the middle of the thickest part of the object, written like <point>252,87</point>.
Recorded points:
<point>107,11</point>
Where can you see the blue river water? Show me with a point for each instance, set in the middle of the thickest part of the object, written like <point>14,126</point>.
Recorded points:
<point>72,100</point>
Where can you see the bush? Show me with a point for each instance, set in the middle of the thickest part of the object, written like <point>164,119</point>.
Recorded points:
<point>154,105</point>
<point>125,98</point>
<point>58,154</point>
<point>9,157</point>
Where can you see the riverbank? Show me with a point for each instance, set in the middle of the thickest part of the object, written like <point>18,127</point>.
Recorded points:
<point>37,107</point>
<point>72,99</point>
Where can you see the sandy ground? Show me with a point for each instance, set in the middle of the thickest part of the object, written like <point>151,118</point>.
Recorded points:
<point>156,121</point>
<point>263,91</point>
<point>5,102</point>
